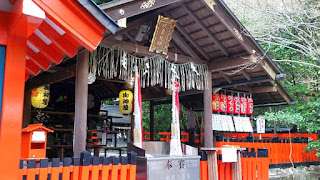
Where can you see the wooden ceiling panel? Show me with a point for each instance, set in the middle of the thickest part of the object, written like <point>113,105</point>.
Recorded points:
<point>196,5</point>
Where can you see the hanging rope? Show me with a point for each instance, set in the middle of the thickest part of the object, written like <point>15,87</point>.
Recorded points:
<point>114,62</point>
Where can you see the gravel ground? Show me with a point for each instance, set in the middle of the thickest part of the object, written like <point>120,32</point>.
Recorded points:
<point>300,173</point>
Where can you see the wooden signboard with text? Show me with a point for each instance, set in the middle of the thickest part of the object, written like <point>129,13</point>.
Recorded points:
<point>162,35</point>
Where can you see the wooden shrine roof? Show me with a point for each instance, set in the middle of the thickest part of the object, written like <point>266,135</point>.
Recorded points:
<point>207,32</point>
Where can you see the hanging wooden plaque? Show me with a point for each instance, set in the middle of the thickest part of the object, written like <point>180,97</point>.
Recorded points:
<point>162,35</point>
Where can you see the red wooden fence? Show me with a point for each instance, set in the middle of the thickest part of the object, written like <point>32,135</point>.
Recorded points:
<point>254,166</point>
<point>83,168</point>
<point>278,152</point>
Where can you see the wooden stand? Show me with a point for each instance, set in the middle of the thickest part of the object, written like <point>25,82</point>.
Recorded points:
<point>213,166</point>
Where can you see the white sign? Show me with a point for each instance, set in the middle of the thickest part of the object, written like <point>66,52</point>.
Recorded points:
<point>38,136</point>
<point>261,125</point>
<point>229,154</point>
<point>104,139</point>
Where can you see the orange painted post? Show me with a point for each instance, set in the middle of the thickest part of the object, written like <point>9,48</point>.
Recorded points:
<point>75,173</point>
<point>84,165</point>
<point>43,172</point>
<point>31,170</point>
<point>228,171</point>
<point>123,173</point>
<point>250,167</point>
<point>244,166</point>
<point>203,165</point>
<point>221,169</point>
<point>94,174</point>
<point>115,168</point>
<point>55,169</point>
<point>21,169</point>
<point>16,25</point>
<point>106,167</point>
<point>132,160</point>
<point>66,168</point>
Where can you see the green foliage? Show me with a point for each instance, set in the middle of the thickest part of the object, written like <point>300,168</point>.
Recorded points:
<point>162,117</point>
<point>101,1</point>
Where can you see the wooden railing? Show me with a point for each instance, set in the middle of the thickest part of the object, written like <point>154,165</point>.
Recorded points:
<point>279,149</point>
<point>254,166</point>
<point>86,167</point>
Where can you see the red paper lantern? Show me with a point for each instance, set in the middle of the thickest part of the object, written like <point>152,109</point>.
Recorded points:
<point>243,105</point>
<point>249,106</point>
<point>236,107</point>
<point>223,103</point>
<point>215,102</point>
<point>230,104</point>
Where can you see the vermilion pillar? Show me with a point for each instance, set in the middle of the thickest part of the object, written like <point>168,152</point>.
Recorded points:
<point>13,95</point>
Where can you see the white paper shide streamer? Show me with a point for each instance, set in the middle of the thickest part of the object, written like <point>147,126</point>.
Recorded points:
<point>137,131</point>
<point>114,62</point>
<point>175,143</point>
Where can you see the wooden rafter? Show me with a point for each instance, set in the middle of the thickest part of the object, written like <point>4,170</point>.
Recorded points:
<point>190,39</point>
<point>263,89</point>
<point>245,74</point>
<point>129,37</point>
<point>226,77</point>
<point>231,63</point>
<point>144,51</point>
<point>242,82</point>
<point>134,8</point>
<point>208,32</point>
<point>183,45</point>
<point>51,78</point>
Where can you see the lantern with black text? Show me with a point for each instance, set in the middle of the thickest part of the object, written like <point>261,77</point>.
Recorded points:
<point>223,103</point>
<point>236,102</point>
<point>243,105</point>
<point>230,104</point>
<point>215,102</point>
<point>40,97</point>
<point>125,101</point>
<point>249,106</point>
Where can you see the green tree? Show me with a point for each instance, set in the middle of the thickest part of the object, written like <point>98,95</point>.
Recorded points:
<point>290,32</point>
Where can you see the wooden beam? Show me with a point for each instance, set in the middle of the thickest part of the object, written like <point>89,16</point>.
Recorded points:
<point>242,82</point>
<point>114,88</point>
<point>134,25</point>
<point>183,45</point>
<point>51,78</point>
<point>190,39</point>
<point>144,51</point>
<point>231,63</point>
<point>26,108</point>
<point>245,74</point>
<point>268,69</point>
<point>266,89</point>
<point>283,93</point>
<point>209,33</point>
<point>134,8</point>
<point>225,77</point>
<point>207,114</point>
<point>230,24</point>
<point>130,37</point>
<point>81,101</point>
<point>113,4</point>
